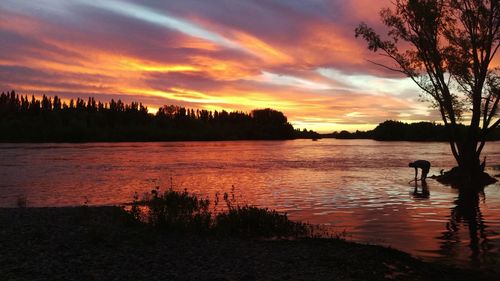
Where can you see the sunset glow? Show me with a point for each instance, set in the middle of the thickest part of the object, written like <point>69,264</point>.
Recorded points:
<point>299,57</point>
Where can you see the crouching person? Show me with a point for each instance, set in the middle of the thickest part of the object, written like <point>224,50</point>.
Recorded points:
<point>424,165</point>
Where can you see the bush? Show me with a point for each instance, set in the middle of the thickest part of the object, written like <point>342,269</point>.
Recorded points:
<point>251,221</point>
<point>184,212</point>
<point>173,210</point>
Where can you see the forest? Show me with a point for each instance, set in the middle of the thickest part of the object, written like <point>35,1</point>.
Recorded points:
<point>49,119</point>
<point>399,131</point>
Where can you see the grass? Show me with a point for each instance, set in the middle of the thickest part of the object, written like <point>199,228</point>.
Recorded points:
<point>181,211</point>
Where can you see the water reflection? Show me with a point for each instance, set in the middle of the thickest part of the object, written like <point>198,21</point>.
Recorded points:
<point>467,225</point>
<point>360,186</point>
<point>422,191</point>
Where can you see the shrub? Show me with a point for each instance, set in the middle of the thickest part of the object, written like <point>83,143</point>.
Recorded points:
<point>179,211</point>
<point>184,212</point>
<point>251,221</point>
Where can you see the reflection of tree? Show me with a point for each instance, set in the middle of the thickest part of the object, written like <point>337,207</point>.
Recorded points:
<point>467,213</point>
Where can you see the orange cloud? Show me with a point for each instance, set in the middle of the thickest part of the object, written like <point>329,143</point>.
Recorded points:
<point>108,55</point>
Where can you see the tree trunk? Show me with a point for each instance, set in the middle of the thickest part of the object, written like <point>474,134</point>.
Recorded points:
<point>469,164</point>
<point>469,172</point>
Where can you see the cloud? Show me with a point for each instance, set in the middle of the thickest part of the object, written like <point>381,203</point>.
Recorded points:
<point>296,56</point>
<point>163,19</point>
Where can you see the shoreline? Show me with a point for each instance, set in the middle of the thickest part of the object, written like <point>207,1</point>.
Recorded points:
<point>100,243</point>
<point>222,140</point>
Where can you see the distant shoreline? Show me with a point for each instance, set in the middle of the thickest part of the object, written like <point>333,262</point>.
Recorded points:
<point>222,140</point>
<point>391,130</point>
<point>148,141</point>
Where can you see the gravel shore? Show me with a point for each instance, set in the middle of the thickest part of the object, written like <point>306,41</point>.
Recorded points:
<point>101,243</point>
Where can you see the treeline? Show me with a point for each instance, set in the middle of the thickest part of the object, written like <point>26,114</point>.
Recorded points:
<point>399,131</point>
<point>348,135</point>
<point>28,119</point>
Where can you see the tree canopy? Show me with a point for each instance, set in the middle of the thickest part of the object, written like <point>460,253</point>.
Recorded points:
<point>24,119</point>
<point>392,130</point>
<point>447,47</point>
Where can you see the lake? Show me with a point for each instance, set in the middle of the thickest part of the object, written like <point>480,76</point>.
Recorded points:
<point>357,186</point>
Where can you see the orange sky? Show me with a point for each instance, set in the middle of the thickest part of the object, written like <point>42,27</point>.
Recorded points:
<point>299,57</point>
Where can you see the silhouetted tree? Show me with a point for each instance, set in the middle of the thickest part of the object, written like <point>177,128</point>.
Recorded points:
<point>399,131</point>
<point>57,103</point>
<point>348,135</point>
<point>53,120</point>
<point>305,134</point>
<point>448,46</point>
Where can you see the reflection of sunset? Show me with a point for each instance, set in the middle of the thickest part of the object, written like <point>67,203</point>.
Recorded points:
<point>306,63</point>
<point>337,183</point>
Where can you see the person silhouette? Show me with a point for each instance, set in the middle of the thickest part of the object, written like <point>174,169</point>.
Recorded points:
<point>422,164</point>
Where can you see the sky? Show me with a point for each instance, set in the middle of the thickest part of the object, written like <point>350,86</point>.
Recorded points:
<point>299,57</point>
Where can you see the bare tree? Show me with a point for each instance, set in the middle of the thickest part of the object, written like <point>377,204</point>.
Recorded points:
<point>446,47</point>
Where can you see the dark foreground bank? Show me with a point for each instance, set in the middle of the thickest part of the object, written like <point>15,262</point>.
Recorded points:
<point>102,243</point>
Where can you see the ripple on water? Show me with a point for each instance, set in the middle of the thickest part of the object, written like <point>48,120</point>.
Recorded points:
<point>360,186</point>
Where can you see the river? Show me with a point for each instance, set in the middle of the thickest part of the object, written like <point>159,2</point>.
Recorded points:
<point>357,186</point>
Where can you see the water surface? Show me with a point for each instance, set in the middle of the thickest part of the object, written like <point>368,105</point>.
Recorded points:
<point>360,186</point>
